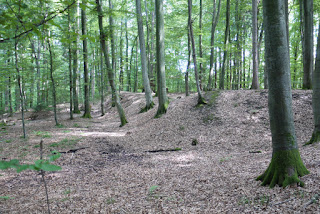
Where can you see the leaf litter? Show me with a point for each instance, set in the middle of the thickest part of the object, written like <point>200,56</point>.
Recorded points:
<point>207,161</point>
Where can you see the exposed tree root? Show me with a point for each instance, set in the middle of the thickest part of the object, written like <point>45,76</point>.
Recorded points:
<point>314,139</point>
<point>285,168</point>
<point>87,115</point>
<point>162,110</point>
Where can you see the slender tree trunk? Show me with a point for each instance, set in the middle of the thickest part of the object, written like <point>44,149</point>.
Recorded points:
<point>200,98</point>
<point>188,65</point>
<point>53,84</point>
<point>20,88</point>
<point>161,76</point>
<point>143,56</point>
<point>200,46</point>
<point>102,85</point>
<point>131,64</point>
<point>152,81</point>
<point>255,69</point>
<point>135,87</point>
<point>38,74</point>
<point>286,165</point>
<point>226,42</point>
<point>127,51</point>
<point>105,50</point>
<point>121,59</point>
<point>316,97</point>
<point>215,19</point>
<point>70,69</point>
<point>308,43</point>
<point>85,62</point>
<point>76,109</point>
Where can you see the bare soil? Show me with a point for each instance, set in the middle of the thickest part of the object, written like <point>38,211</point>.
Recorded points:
<point>194,159</point>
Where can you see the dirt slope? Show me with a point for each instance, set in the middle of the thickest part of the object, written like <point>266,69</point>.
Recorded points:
<point>115,173</point>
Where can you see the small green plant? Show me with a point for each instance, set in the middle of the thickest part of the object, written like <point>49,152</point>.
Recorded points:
<point>244,200</point>
<point>194,142</point>
<point>181,128</point>
<point>76,125</point>
<point>235,105</point>
<point>208,118</point>
<point>152,189</point>
<point>225,159</point>
<point>8,141</point>
<point>42,134</point>
<point>60,125</point>
<point>66,131</point>
<point>111,201</point>
<point>6,197</point>
<point>67,192</point>
<point>264,199</point>
<point>65,143</point>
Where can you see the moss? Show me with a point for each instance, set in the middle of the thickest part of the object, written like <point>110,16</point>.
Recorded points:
<point>123,121</point>
<point>76,111</point>
<point>201,101</point>
<point>314,139</point>
<point>146,108</point>
<point>285,168</point>
<point>87,115</point>
<point>162,110</point>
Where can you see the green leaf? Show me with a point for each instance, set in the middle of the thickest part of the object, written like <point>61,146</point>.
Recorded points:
<point>50,167</point>
<point>55,156</point>
<point>9,164</point>
<point>23,167</point>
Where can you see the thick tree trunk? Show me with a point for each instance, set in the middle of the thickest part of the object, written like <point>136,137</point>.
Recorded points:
<point>85,63</point>
<point>200,46</point>
<point>316,96</point>
<point>226,42</point>
<point>104,48</point>
<point>215,19</point>
<point>286,165</point>
<point>308,43</point>
<point>53,84</point>
<point>161,75</point>
<point>152,76</point>
<point>143,56</point>
<point>255,69</point>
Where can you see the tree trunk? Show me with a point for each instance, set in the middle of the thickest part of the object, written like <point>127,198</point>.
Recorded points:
<point>286,165</point>
<point>200,46</point>
<point>152,77</point>
<point>127,51</point>
<point>200,98</point>
<point>85,62</point>
<point>70,68</point>
<point>143,56</point>
<point>20,88</point>
<point>53,84</point>
<point>76,109</point>
<point>215,19</point>
<point>308,43</point>
<point>104,48</point>
<point>255,69</point>
<point>121,59</point>
<point>226,42</point>
<point>161,75</point>
<point>188,65</point>
<point>102,85</point>
<point>316,97</point>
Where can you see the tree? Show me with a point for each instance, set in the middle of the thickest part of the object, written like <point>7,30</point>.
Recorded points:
<point>104,48</point>
<point>226,42</point>
<point>215,19</point>
<point>161,75</point>
<point>255,68</point>
<point>146,83</point>
<point>75,27</point>
<point>200,98</point>
<point>70,68</point>
<point>308,43</point>
<point>85,61</point>
<point>286,165</point>
<point>316,97</point>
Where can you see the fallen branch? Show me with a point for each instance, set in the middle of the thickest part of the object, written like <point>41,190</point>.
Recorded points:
<point>313,200</point>
<point>164,150</point>
<point>255,152</point>
<point>74,150</point>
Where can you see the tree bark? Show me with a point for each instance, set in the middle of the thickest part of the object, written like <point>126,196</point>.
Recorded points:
<point>161,75</point>
<point>85,62</point>
<point>54,96</point>
<point>255,68</point>
<point>308,43</point>
<point>70,68</point>
<point>286,165</point>
<point>143,57</point>
<point>200,46</point>
<point>226,42</point>
<point>215,19</point>
<point>76,109</point>
<point>316,97</point>
<point>104,48</point>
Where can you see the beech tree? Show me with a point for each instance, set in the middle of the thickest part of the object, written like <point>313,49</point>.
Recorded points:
<point>146,83</point>
<point>161,75</point>
<point>286,165</point>
<point>255,68</point>
<point>316,97</point>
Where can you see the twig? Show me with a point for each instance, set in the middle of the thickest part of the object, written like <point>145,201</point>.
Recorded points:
<point>282,202</point>
<point>313,200</point>
<point>42,175</point>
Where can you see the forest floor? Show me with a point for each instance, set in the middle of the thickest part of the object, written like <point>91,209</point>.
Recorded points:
<point>115,171</point>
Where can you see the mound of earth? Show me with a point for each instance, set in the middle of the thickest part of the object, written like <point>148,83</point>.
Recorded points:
<point>194,159</point>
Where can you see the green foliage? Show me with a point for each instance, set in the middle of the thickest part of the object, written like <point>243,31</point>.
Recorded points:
<point>6,197</point>
<point>65,143</point>
<point>44,165</point>
<point>42,134</point>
